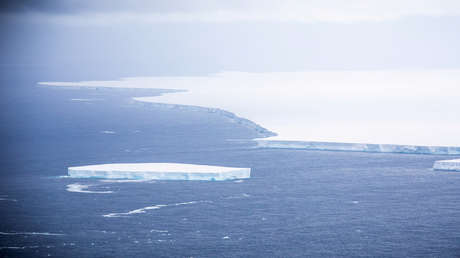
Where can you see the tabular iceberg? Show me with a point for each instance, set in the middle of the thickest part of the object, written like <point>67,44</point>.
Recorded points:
<point>159,171</point>
<point>453,165</point>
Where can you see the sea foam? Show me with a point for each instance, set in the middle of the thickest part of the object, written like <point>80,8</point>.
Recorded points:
<point>79,188</point>
<point>153,207</point>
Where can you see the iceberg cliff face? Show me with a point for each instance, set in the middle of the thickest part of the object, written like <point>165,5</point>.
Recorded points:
<point>452,165</point>
<point>261,131</point>
<point>159,171</point>
<point>363,147</point>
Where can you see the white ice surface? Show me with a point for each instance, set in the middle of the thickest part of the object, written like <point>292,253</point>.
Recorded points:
<point>159,171</point>
<point>362,147</point>
<point>452,165</point>
<point>417,107</point>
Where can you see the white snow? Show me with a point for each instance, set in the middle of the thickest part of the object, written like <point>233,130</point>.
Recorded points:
<point>453,165</point>
<point>159,171</point>
<point>404,107</point>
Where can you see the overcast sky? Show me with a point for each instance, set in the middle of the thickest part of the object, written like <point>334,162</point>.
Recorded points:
<point>130,38</point>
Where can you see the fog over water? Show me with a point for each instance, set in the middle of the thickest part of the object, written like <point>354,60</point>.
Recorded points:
<point>366,71</point>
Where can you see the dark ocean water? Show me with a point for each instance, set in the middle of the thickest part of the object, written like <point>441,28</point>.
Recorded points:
<point>296,204</point>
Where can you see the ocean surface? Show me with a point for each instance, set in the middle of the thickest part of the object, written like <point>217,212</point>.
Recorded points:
<point>296,203</point>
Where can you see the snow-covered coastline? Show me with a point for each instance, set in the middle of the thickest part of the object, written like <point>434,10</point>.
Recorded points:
<point>261,131</point>
<point>372,111</point>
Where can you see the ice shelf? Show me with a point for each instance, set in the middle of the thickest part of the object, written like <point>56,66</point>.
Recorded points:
<point>159,171</point>
<point>363,147</point>
<point>453,165</point>
<point>390,111</point>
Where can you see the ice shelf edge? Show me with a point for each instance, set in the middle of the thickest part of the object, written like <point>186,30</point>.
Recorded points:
<point>260,130</point>
<point>358,147</point>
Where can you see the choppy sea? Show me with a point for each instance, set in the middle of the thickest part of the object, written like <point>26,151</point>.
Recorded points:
<point>296,203</point>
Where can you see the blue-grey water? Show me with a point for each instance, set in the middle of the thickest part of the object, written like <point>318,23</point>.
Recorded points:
<point>296,203</point>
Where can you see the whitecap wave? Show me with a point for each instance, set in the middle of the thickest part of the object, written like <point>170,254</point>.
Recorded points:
<point>79,188</point>
<point>19,247</point>
<point>153,207</point>
<point>31,233</point>
<point>108,132</point>
<point>5,198</point>
<point>238,196</point>
<point>158,231</point>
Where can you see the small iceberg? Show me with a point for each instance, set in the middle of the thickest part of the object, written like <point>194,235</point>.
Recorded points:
<point>451,165</point>
<point>159,171</point>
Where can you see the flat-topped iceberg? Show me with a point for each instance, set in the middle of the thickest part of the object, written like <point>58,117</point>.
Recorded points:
<point>159,171</point>
<point>453,165</point>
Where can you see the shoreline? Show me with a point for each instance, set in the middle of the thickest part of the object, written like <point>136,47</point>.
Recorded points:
<point>232,117</point>
<point>343,113</point>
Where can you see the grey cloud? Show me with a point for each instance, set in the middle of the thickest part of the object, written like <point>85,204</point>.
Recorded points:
<point>109,12</point>
<point>45,6</point>
<point>107,6</point>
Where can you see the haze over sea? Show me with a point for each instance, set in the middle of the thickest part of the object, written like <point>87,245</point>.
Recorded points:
<point>358,71</point>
